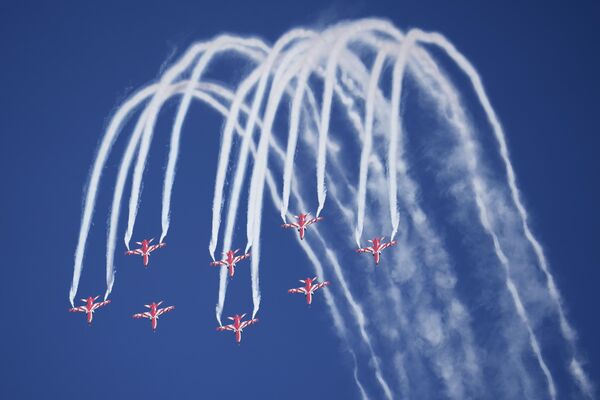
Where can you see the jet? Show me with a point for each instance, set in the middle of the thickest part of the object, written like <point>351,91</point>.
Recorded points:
<point>89,307</point>
<point>237,326</point>
<point>302,224</point>
<point>309,288</point>
<point>376,248</point>
<point>145,250</point>
<point>230,260</point>
<point>154,313</point>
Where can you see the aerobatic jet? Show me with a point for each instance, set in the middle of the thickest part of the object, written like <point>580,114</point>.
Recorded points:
<point>230,260</point>
<point>145,250</point>
<point>154,313</point>
<point>238,326</point>
<point>309,288</point>
<point>303,221</point>
<point>89,307</point>
<point>377,246</point>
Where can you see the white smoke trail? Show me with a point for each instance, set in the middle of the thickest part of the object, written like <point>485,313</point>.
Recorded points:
<point>367,144</point>
<point>294,123</point>
<point>581,378</point>
<point>359,315</point>
<point>246,143</point>
<point>161,94</point>
<point>170,75</point>
<point>297,64</point>
<point>535,347</point>
<point>224,156</point>
<point>427,237</point>
<point>473,76</point>
<point>224,152</point>
<point>279,85</point>
<point>124,169</point>
<point>356,121</point>
<point>329,81</point>
<point>483,215</point>
<point>238,181</point>
<point>222,44</point>
<point>330,72</point>
<point>90,199</point>
<point>356,309</point>
<point>255,197</point>
<point>395,128</point>
<point>476,184</point>
<point>228,43</point>
<point>363,393</point>
<point>236,188</point>
<point>312,256</point>
<point>447,375</point>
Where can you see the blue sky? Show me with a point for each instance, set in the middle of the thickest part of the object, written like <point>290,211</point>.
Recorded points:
<point>67,66</point>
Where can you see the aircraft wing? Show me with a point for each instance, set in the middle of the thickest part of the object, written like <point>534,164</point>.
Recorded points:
<point>242,257</point>
<point>246,323</point>
<point>218,263</point>
<point>292,225</point>
<point>136,251</point>
<point>388,244</point>
<point>312,221</point>
<point>297,290</point>
<point>320,285</point>
<point>142,315</point>
<point>78,309</point>
<point>101,304</point>
<point>165,310</point>
<point>365,250</point>
<point>226,328</point>
<point>156,246</point>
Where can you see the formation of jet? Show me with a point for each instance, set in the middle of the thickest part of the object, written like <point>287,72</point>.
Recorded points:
<point>309,288</point>
<point>145,250</point>
<point>230,260</point>
<point>377,246</point>
<point>310,285</point>
<point>153,313</point>
<point>303,221</point>
<point>90,307</point>
<point>238,326</point>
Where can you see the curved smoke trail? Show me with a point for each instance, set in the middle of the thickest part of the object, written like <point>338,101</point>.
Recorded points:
<point>434,333</point>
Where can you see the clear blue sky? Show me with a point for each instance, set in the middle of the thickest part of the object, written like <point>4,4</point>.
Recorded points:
<point>66,65</point>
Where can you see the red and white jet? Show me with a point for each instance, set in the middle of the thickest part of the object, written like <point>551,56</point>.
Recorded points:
<point>154,313</point>
<point>237,326</point>
<point>145,250</point>
<point>230,260</point>
<point>376,248</point>
<point>89,307</point>
<point>303,222</point>
<point>309,288</point>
